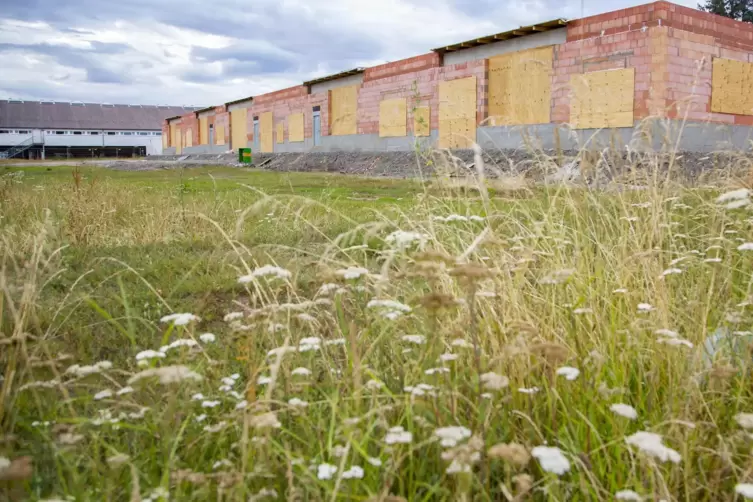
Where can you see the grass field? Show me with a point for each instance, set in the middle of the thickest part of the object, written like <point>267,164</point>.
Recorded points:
<point>342,338</point>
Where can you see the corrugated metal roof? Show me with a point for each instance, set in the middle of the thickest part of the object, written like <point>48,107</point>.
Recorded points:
<point>249,98</point>
<point>346,73</point>
<point>505,35</point>
<point>56,115</point>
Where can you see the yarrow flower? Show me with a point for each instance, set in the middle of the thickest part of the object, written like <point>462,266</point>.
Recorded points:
<point>402,239</point>
<point>82,371</point>
<point>167,375</point>
<point>102,394</point>
<point>532,390</point>
<point>568,372</point>
<point>624,410</point>
<point>739,194</point>
<point>645,307</point>
<point>398,435</point>
<point>744,420</point>
<point>352,272</point>
<point>744,489</point>
<point>326,471</point>
<point>265,271</point>
<point>374,384</point>
<point>301,371</point>
<point>187,342</point>
<point>628,495</point>
<point>355,472</point>
<point>207,337</point>
<point>451,436</point>
<point>651,444</point>
<point>551,459</point>
<point>149,354</point>
<point>180,319</point>
<point>493,381</point>
<point>297,403</point>
<point>417,339</point>
<point>390,308</point>
<point>210,404</point>
<point>746,246</point>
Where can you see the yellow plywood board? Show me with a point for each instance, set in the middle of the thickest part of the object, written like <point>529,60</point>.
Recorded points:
<point>295,128</point>
<point>280,135</point>
<point>267,132</point>
<point>203,131</point>
<point>344,110</point>
<point>520,87</point>
<point>165,140</point>
<point>732,87</point>
<point>422,121</point>
<point>189,137</point>
<point>175,139</point>
<point>457,113</point>
<point>392,118</point>
<point>602,99</point>
<point>219,134</point>
<point>238,128</point>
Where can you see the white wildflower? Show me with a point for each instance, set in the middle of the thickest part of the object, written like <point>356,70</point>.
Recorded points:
<point>744,420</point>
<point>390,309</point>
<point>197,397</point>
<point>421,389</point>
<point>402,239</point>
<point>167,375</point>
<point>351,272</point>
<point>417,339</point>
<point>233,316</point>
<point>216,427</point>
<point>374,461</point>
<point>328,288</point>
<point>145,355</point>
<point>265,421</point>
<point>666,332</point>
<point>222,463</point>
<point>81,371</point>
<point>309,344</point>
<point>398,435</point>
<point>568,372</point>
<point>671,271</point>
<point>125,390</point>
<point>326,471</point>
<point>493,381</point>
<point>374,384</point>
<point>263,380</point>
<point>463,344</point>
<point>675,342</point>
<point>301,371</point>
<point>207,337</point>
<point>451,436</point>
<point>739,194</point>
<point>265,271</point>
<point>624,410</point>
<point>210,404</point>
<point>355,472</point>
<point>432,371</point>
<point>180,319</point>
<point>651,444</point>
<point>744,489</point>
<point>747,246</point>
<point>241,405</point>
<point>737,204</point>
<point>297,403</point>
<point>200,418</point>
<point>446,357</point>
<point>628,495</point>
<point>620,291</point>
<point>458,467</point>
<point>645,307</point>
<point>184,342</point>
<point>551,459</point>
<point>532,390</point>
<point>102,394</point>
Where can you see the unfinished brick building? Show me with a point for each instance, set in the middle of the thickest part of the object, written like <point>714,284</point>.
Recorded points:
<point>646,76</point>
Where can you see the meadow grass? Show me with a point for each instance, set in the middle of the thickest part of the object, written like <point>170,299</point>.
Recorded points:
<point>343,338</point>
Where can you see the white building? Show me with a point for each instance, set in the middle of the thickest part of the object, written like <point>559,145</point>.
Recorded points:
<point>47,129</point>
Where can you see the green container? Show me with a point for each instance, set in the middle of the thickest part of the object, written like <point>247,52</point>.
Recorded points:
<point>244,155</point>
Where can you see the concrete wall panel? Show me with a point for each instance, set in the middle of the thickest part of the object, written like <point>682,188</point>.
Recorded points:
<point>551,37</point>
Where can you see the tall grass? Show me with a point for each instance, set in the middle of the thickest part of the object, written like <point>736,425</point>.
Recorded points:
<point>461,344</point>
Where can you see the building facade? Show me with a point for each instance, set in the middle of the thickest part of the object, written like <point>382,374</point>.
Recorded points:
<point>46,129</point>
<point>649,76</point>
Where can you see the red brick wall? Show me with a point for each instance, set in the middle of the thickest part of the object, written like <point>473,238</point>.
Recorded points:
<point>287,102</point>
<point>410,65</point>
<point>630,49</point>
<point>420,88</point>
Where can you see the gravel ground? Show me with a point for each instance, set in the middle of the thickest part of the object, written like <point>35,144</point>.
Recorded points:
<point>537,165</point>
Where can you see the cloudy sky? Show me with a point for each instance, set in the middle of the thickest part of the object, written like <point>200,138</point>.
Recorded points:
<point>194,52</point>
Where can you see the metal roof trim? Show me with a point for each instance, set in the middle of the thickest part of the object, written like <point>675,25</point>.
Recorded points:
<point>249,98</point>
<point>335,76</point>
<point>505,35</point>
